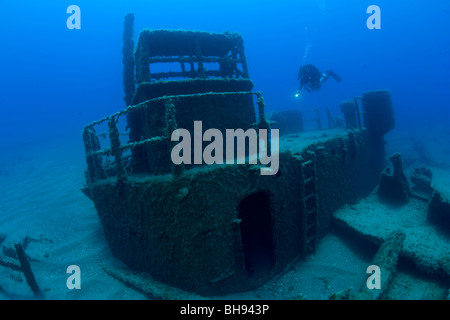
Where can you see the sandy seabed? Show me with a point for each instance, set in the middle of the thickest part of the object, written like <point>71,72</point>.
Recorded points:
<point>40,198</point>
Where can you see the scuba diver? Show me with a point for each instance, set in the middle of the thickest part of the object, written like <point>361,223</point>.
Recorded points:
<point>312,79</point>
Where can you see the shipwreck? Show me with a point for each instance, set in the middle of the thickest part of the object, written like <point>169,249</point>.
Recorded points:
<point>216,229</point>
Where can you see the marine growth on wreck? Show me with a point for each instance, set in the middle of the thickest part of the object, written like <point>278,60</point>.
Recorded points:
<point>298,164</point>
<point>222,228</point>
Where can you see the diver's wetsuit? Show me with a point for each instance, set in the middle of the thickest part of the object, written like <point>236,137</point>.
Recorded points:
<point>312,79</point>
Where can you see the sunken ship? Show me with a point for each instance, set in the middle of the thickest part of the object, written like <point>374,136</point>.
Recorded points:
<point>220,228</point>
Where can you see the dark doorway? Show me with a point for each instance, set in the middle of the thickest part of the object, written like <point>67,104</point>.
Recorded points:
<point>256,232</point>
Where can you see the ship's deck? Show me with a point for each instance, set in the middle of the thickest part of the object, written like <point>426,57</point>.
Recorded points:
<point>294,143</point>
<point>297,142</point>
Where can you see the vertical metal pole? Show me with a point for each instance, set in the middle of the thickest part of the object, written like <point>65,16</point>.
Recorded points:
<point>358,115</point>
<point>262,122</point>
<point>243,59</point>
<point>331,123</point>
<point>115,148</point>
<point>171,126</point>
<point>199,57</point>
<point>318,121</point>
<point>94,162</point>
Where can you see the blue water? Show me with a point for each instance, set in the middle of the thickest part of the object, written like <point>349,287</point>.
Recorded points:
<point>54,80</point>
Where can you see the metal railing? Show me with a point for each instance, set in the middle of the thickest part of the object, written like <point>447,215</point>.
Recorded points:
<point>94,152</point>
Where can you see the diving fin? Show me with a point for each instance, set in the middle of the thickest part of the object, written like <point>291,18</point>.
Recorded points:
<point>334,75</point>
